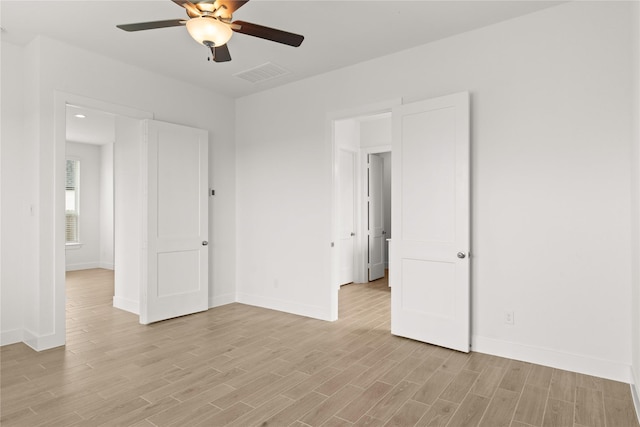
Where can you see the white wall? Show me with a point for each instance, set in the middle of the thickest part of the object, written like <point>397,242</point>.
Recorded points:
<point>551,122</point>
<point>635,197</point>
<point>106,206</point>
<point>51,68</point>
<point>15,180</point>
<point>87,254</point>
<point>375,131</point>
<point>128,213</point>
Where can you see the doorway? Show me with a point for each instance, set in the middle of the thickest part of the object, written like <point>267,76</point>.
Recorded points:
<point>362,195</point>
<point>122,116</point>
<point>89,189</point>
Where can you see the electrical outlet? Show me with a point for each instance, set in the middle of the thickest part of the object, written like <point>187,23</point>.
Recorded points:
<point>508,317</point>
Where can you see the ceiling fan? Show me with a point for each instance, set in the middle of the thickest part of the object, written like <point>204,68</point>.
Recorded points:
<point>210,24</point>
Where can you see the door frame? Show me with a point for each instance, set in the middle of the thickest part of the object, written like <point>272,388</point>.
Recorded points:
<point>61,100</point>
<point>364,110</point>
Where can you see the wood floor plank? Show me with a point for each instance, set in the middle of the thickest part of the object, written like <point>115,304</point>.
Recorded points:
<point>615,390</point>
<point>438,415</point>
<point>540,376</point>
<point>296,410</point>
<point>424,371</point>
<point>408,415</point>
<point>488,381</point>
<point>243,392</point>
<point>460,386</point>
<point>226,416</point>
<point>331,406</point>
<point>530,409</point>
<point>367,421</point>
<point>470,411</point>
<point>563,386</point>
<point>262,412</point>
<point>515,376</point>
<point>389,404</point>
<point>620,412</point>
<point>365,401</point>
<point>339,381</point>
<point>430,391</point>
<point>589,407</point>
<point>558,413</point>
<point>263,366</point>
<point>312,382</point>
<point>501,409</point>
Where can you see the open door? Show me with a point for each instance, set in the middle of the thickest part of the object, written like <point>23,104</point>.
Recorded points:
<point>347,227</point>
<point>376,218</point>
<point>429,253</point>
<point>175,262</point>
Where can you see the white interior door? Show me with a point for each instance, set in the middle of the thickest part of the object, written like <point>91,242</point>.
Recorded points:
<point>376,218</point>
<point>176,255</point>
<point>429,261</point>
<point>347,197</point>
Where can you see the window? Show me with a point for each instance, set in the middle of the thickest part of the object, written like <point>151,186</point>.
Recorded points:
<point>72,201</point>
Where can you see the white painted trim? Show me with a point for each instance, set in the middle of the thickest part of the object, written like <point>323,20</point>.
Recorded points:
<point>41,342</point>
<point>376,149</point>
<point>82,266</point>
<point>218,300</point>
<point>556,359</point>
<point>61,100</point>
<point>127,305</point>
<point>106,265</point>
<point>11,337</point>
<point>635,391</point>
<point>315,312</point>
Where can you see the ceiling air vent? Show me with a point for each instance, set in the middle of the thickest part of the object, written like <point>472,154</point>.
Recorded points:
<point>262,73</point>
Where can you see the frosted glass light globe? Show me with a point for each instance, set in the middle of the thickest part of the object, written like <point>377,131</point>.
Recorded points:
<point>205,29</point>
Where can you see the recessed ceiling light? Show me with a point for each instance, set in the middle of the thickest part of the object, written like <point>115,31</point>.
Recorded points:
<point>80,116</point>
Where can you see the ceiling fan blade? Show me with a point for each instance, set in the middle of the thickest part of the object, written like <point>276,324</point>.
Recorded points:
<point>231,5</point>
<point>221,54</point>
<point>152,25</point>
<point>267,33</point>
<point>192,10</point>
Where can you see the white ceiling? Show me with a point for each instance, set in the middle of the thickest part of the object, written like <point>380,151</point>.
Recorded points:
<point>95,127</point>
<point>337,33</point>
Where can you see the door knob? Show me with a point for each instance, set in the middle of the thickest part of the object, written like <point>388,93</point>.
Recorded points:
<point>461,255</point>
<point>353,234</point>
<point>205,243</point>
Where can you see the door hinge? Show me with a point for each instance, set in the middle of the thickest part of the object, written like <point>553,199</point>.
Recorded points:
<point>212,192</point>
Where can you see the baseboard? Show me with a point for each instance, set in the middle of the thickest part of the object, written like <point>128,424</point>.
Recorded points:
<point>42,342</point>
<point>127,305</point>
<point>82,266</point>
<point>224,299</point>
<point>11,337</point>
<point>635,391</point>
<point>556,359</point>
<point>314,312</point>
<point>106,265</point>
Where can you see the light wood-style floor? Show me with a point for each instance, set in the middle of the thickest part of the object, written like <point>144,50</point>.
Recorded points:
<point>244,366</point>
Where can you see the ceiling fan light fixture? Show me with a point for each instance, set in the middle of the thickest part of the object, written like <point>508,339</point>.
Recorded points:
<point>209,29</point>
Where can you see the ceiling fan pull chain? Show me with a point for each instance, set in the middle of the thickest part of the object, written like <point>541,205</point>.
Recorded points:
<point>211,47</point>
